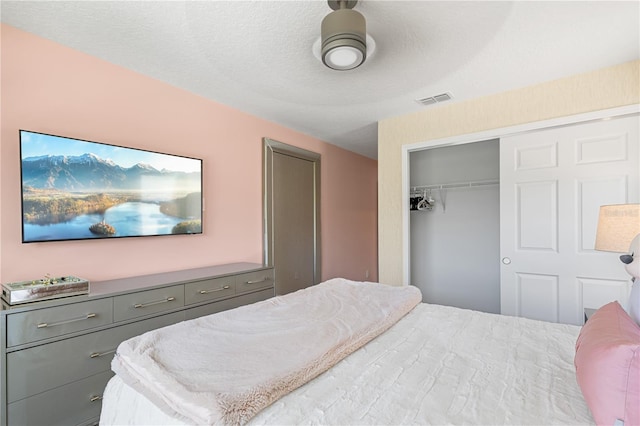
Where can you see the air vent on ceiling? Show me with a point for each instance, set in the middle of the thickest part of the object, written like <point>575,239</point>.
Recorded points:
<point>435,99</point>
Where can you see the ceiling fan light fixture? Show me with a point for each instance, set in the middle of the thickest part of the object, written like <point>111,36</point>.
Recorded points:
<point>344,37</point>
<point>343,57</point>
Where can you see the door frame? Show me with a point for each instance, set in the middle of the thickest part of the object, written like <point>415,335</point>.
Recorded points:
<point>628,110</point>
<point>271,146</point>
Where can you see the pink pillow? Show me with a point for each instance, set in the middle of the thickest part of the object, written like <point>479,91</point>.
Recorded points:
<point>608,365</point>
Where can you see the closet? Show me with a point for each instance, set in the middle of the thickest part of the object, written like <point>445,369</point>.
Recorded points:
<point>455,243</point>
<point>508,225</point>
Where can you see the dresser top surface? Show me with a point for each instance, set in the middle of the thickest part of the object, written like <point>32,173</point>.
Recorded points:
<point>115,287</point>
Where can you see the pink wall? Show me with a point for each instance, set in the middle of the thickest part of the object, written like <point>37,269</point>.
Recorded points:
<point>50,88</point>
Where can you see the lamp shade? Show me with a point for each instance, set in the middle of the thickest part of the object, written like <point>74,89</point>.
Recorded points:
<point>618,225</point>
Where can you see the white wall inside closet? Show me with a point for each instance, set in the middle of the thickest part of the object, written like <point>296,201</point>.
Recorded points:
<point>455,248</point>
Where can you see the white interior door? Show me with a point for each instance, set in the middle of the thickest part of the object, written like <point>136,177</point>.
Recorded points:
<point>552,183</point>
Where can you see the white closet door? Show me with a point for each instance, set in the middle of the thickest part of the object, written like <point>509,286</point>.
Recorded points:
<point>552,184</point>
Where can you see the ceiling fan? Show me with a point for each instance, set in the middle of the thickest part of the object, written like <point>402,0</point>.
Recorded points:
<point>344,36</point>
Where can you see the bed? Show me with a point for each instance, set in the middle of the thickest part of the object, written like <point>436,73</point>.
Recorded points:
<point>384,361</point>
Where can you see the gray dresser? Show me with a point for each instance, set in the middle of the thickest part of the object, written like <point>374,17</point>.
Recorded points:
<point>56,355</point>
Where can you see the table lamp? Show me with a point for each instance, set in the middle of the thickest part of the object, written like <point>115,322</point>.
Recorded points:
<point>619,231</point>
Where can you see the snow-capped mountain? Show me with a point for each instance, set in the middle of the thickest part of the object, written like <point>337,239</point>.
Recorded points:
<point>88,172</point>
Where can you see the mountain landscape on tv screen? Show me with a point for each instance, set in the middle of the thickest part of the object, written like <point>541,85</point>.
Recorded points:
<point>85,196</point>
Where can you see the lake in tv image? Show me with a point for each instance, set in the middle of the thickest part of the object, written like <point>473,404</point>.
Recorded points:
<point>76,189</point>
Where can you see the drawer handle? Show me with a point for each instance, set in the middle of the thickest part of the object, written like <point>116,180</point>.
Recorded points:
<point>226,287</point>
<point>157,302</point>
<point>258,281</point>
<point>99,354</point>
<point>53,324</point>
<point>95,398</point>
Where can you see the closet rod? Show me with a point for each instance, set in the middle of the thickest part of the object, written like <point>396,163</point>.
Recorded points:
<point>457,185</point>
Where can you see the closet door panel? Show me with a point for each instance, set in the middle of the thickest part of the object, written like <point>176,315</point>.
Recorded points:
<point>552,184</point>
<point>592,193</point>
<point>603,149</point>
<point>593,291</point>
<point>538,296</point>
<point>537,216</point>
<point>533,156</point>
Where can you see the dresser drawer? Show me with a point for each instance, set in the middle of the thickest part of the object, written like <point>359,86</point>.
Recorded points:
<point>227,304</point>
<point>68,405</point>
<point>201,291</point>
<point>147,302</point>
<point>49,366</point>
<point>40,324</point>
<point>254,281</point>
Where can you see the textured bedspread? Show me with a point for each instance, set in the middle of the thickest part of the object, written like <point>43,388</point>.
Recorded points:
<point>438,365</point>
<point>224,368</point>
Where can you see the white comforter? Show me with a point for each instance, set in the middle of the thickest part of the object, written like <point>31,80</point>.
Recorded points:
<point>224,368</point>
<point>438,365</point>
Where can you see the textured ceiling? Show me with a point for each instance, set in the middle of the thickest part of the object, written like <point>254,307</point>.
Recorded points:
<point>257,56</point>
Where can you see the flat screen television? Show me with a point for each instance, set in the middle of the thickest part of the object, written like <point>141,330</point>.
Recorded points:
<point>74,189</point>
